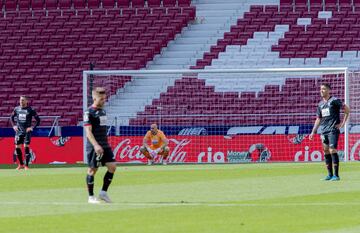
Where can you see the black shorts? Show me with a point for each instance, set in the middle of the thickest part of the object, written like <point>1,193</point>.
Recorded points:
<point>22,138</point>
<point>95,161</point>
<point>330,139</point>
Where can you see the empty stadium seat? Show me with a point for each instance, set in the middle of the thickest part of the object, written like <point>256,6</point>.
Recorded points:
<point>58,39</point>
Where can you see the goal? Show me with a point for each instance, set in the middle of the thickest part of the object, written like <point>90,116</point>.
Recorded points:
<point>224,116</point>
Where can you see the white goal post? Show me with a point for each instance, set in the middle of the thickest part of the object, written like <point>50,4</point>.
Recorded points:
<point>273,84</point>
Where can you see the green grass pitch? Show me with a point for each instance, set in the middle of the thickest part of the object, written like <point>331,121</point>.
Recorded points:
<point>264,198</point>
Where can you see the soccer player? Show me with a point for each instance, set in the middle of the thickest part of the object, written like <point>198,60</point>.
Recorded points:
<point>21,119</point>
<point>98,149</point>
<point>158,146</point>
<point>328,117</point>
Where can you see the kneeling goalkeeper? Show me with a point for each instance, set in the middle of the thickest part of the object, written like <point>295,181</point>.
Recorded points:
<point>158,145</point>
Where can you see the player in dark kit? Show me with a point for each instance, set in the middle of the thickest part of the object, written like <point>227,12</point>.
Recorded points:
<point>328,117</point>
<point>21,119</point>
<point>97,148</point>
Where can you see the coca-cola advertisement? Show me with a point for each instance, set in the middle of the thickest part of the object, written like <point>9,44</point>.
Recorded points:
<point>190,149</point>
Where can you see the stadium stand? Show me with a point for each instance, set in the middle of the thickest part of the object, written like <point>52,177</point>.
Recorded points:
<point>46,45</point>
<point>300,33</point>
<point>290,34</point>
<point>191,102</point>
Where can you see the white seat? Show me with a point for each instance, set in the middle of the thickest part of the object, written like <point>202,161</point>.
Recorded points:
<point>312,61</point>
<point>217,62</point>
<point>304,21</point>
<point>347,59</point>
<point>324,14</point>
<point>354,66</point>
<point>333,54</point>
<point>234,62</point>
<point>271,55</point>
<point>295,62</point>
<point>223,55</point>
<point>256,55</point>
<point>263,48</point>
<point>281,28</point>
<point>250,62</point>
<point>350,54</point>
<point>232,48</point>
<point>270,42</point>
<point>343,63</point>
<point>276,35</point>
<point>329,62</point>
<point>254,42</point>
<point>281,62</point>
<point>261,35</point>
<point>265,63</point>
<point>247,49</point>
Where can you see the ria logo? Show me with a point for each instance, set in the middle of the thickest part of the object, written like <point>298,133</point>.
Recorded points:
<point>307,155</point>
<point>210,157</point>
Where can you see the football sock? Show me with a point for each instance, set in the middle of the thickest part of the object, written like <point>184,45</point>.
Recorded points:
<point>19,156</point>
<point>107,180</point>
<point>335,159</point>
<point>328,162</point>
<point>27,156</point>
<point>90,184</point>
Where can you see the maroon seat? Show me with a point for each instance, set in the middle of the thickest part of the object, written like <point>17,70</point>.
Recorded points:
<point>167,3</point>
<point>123,3</point>
<point>78,4</point>
<point>154,3</point>
<point>93,4</point>
<point>318,54</point>
<point>10,5</point>
<point>51,4</point>
<point>108,3</point>
<point>183,3</point>
<point>24,6</point>
<point>64,4</point>
<point>137,3</point>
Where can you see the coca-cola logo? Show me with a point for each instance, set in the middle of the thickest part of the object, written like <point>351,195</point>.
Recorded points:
<point>125,151</point>
<point>178,154</point>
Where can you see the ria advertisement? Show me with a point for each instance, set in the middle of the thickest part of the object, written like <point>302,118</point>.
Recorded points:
<point>189,149</point>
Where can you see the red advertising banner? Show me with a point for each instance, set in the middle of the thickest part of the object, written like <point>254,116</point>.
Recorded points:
<point>189,149</point>
<point>46,150</point>
<point>220,149</point>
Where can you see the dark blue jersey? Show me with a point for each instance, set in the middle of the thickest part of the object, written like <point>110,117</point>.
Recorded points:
<point>97,119</point>
<point>22,118</point>
<point>329,114</point>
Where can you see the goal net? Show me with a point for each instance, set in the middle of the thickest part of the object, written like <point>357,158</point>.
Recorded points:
<point>224,116</point>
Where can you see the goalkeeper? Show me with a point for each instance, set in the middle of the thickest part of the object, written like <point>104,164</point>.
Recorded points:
<point>158,146</point>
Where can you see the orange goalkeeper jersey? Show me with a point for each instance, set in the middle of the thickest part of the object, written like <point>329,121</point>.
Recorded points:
<point>157,140</point>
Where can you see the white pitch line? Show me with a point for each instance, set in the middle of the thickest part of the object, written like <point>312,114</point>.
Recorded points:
<point>166,204</point>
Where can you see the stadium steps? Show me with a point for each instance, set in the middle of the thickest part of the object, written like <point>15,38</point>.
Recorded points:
<point>213,19</point>
<point>135,96</point>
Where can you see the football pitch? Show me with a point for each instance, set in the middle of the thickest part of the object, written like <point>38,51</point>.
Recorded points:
<point>266,198</point>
